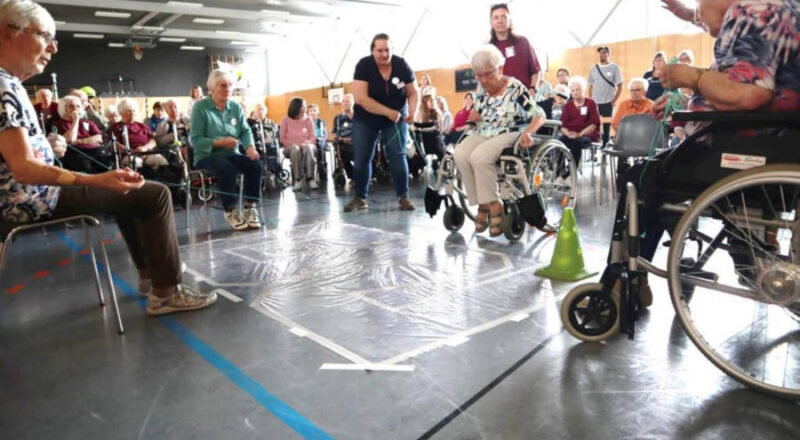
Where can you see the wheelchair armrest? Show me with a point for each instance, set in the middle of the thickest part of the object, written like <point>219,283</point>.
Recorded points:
<point>737,116</point>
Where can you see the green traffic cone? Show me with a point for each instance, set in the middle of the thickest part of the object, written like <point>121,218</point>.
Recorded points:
<point>567,261</point>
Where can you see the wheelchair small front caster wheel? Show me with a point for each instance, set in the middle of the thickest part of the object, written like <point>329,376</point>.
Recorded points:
<point>513,224</point>
<point>284,178</point>
<point>589,315</point>
<point>453,218</point>
<point>339,180</point>
<point>205,195</point>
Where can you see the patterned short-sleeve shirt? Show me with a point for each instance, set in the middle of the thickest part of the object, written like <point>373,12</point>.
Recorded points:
<point>759,43</point>
<point>19,202</point>
<point>503,113</point>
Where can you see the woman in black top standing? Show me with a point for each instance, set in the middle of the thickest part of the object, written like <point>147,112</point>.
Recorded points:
<point>654,87</point>
<point>386,96</point>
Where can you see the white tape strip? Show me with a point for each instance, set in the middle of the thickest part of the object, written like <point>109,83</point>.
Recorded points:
<point>368,367</point>
<point>456,341</point>
<point>301,332</point>
<point>520,317</point>
<point>226,294</point>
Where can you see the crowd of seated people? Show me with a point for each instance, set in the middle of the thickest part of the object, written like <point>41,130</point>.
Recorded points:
<point>321,135</point>
<point>86,152</point>
<point>134,137</point>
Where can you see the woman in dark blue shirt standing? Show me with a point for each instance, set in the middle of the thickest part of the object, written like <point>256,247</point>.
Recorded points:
<point>385,92</point>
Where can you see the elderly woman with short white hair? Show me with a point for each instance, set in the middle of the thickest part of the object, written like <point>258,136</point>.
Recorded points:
<point>498,109</point>
<point>138,135</point>
<point>85,138</point>
<point>580,119</point>
<point>46,108</point>
<point>34,190</point>
<point>218,129</point>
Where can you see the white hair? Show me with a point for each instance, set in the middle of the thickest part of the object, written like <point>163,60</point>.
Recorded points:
<point>21,13</point>
<point>218,75</point>
<point>561,89</point>
<point>44,92</point>
<point>577,81</point>
<point>641,81</point>
<point>80,94</point>
<point>111,109</point>
<point>126,105</point>
<point>689,53</point>
<point>487,56</point>
<point>63,102</point>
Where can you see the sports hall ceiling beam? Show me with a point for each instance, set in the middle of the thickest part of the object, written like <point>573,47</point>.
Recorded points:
<point>603,23</point>
<point>145,19</point>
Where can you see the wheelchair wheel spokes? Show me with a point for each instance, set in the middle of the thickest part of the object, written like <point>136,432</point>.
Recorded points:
<point>744,285</point>
<point>553,175</point>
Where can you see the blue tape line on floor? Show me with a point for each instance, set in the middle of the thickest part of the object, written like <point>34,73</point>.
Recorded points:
<point>273,404</point>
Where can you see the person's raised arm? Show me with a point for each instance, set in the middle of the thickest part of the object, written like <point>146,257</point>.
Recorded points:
<point>679,10</point>
<point>721,92</point>
<point>361,94</point>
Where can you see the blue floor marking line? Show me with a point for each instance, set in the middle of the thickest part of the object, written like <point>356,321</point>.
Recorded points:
<point>272,403</point>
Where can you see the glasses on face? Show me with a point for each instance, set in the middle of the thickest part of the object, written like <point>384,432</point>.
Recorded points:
<point>48,38</point>
<point>636,90</point>
<point>484,75</point>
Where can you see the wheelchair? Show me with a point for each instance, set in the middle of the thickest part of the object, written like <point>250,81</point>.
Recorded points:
<point>535,185</point>
<point>733,208</point>
<point>339,175</point>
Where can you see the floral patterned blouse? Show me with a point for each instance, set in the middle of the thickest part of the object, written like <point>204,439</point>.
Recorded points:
<point>20,202</point>
<point>504,113</point>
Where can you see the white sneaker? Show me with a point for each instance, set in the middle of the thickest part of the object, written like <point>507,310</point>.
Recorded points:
<point>184,300</point>
<point>313,184</point>
<point>250,217</point>
<point>235,220</point>
<point>298,186</point>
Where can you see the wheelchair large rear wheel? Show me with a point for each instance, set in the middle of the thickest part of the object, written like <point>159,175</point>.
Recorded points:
<point>589,315</point>
<point>742,235</point>
<point>553,174</point>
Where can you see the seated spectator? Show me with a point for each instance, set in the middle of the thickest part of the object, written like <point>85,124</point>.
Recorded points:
<point>157,117</point>
<point>638,104</point>
<point>90,112</point>
<point>321,133</point>
<point>654,87</point>
<point>87,154</point>
<point>562,75</point>
<point>342,132</point>
<point>264,129</point>
<point>218,128</point>
<point>299,143</point>
<point>111,114</point>
<point>46,108</point>
<point>678,136</point>
<point>428,126</point>
<point>173,124</point>
<point>195,94</point>
<point>560,98</point>
<point>686,57</point>
<point>460,120</point>
<point>502,100</point>
<point>140,138</point>
<point>544,90</point>
<point>580,120</point>
<point>447,117</point>
<point>35,190</point>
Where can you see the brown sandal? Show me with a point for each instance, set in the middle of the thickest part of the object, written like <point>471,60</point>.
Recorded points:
<point>481,225</point>
<point>495,227</point>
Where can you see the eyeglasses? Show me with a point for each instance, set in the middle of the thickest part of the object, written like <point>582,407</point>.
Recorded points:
<point>47,37</point>
<point>485,74</point>
<point>637,90</point>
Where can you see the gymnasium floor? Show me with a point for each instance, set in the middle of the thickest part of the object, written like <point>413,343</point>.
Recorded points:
<point>462,339</point>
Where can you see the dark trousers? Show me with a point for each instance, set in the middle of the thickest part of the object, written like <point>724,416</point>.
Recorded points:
<point>346,153</point>
<point>322,160</point>
<point>93,160</point>
<point>226,168</point>
<point>576,146</point>
<point>145,219</point>
<point>606,110</point>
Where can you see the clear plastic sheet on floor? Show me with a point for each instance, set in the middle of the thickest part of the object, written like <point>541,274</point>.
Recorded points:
<point>378,294</point>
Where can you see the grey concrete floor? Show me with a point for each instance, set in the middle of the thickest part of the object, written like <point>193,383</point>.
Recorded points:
<point>475,335</point>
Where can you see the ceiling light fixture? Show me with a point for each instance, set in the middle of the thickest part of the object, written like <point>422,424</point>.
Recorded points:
<point>187,47</point>
<point>116,44</point>
<point>172,40</point>
<point>208,20</point>
<point>242,43</point>
<point>89,36</point>
<point>185,4</point>
<point>111,14</point>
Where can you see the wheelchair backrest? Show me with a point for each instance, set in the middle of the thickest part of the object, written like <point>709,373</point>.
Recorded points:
<point>635,135</point>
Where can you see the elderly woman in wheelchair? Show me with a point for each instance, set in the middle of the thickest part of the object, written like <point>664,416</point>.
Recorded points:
<point>496,151</point>
<point>730,195</point>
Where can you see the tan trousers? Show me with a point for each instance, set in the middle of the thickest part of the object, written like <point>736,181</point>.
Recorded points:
<point>303,158</point>
<point>475,159</point>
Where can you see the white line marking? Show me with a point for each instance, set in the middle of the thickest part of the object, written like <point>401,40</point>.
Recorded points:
<point>456,341</point>
<point>327,343</point>
<point>226,294</point>
<point>520,317</point>
<point>299,332</point>
<point>368,367</point>
<point>200,277</point>
<point>243,257</point>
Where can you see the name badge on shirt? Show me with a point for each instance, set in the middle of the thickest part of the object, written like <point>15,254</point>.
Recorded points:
<point>608,73</point>
<point>86,125</point>
<point>510,52</point>
<point>584,111</point>
<point>305,130</point>
<point>233,122</point>
<point>346,124</point>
